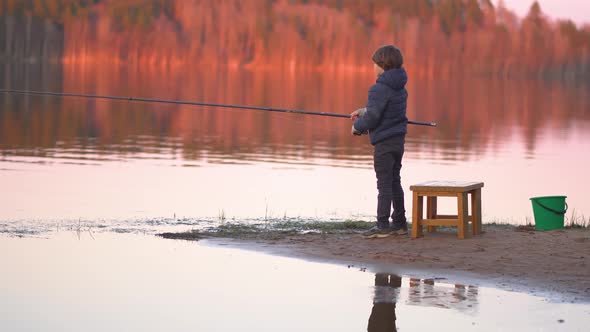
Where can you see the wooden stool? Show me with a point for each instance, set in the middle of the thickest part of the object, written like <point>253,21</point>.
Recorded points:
<point>434,189</point>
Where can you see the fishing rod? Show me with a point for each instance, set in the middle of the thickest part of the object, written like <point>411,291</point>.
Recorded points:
<point>194,103</point>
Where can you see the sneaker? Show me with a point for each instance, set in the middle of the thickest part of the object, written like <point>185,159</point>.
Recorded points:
<point>401,229</point>
<point>377,232</point>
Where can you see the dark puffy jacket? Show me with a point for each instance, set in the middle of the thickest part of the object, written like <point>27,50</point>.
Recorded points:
<point>386,107</point>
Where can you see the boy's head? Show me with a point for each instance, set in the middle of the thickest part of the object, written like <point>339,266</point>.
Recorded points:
<point>388,57</point>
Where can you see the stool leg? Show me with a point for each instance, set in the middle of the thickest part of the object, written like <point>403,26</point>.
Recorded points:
<point>431,211</point>
<point>417,216</point>
<point>462,215</point>
<point>476,211</point>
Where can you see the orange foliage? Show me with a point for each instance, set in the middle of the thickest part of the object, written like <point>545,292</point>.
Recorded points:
<point>440,38</point>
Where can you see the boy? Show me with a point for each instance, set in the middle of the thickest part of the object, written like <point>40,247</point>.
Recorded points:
<point>385,120</point>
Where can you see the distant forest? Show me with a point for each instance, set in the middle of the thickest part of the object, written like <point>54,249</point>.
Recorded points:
<point>437,37</point>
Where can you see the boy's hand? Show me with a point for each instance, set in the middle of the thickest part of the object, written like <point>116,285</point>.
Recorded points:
<point>358,113</point>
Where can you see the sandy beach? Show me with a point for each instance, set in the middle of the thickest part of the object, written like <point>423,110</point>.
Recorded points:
<point>556,263</point>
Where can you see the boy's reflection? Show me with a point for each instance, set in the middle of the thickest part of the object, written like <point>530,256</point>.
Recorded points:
<point>386,293</point>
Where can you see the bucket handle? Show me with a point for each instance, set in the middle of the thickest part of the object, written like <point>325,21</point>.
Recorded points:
<point>553,210</point>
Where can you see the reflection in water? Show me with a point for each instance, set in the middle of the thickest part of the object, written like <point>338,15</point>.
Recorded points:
<point>118,282</point>
<point>474,115</point>
<point>488,129</point>
<point>387,288</point>
<point>422,292</point>
<point>459,297</point>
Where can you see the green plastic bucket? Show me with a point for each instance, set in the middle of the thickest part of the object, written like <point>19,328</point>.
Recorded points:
<point>549,212</point>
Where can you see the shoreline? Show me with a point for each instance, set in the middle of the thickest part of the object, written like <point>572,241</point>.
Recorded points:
<point>553,264</point>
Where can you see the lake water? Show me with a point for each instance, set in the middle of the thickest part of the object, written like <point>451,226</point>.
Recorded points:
<point>71,159</point>
<point>128,282</point>
<point>85,184</point>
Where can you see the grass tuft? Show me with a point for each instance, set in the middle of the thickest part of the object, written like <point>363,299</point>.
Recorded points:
<point>576,221</point>
<point>272,230</point>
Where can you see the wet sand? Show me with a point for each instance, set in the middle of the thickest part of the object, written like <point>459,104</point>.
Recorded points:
<point>554,263</point>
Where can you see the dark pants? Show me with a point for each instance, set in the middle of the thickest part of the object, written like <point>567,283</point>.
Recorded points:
<point>388,163</point>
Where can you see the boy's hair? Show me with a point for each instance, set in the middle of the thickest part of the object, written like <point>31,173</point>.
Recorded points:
<point>388,57</point>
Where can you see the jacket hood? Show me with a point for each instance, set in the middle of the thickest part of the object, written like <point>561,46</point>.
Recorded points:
<point>394,78</point>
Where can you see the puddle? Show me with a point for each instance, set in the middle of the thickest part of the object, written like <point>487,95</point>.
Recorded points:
<point>132,282</point>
